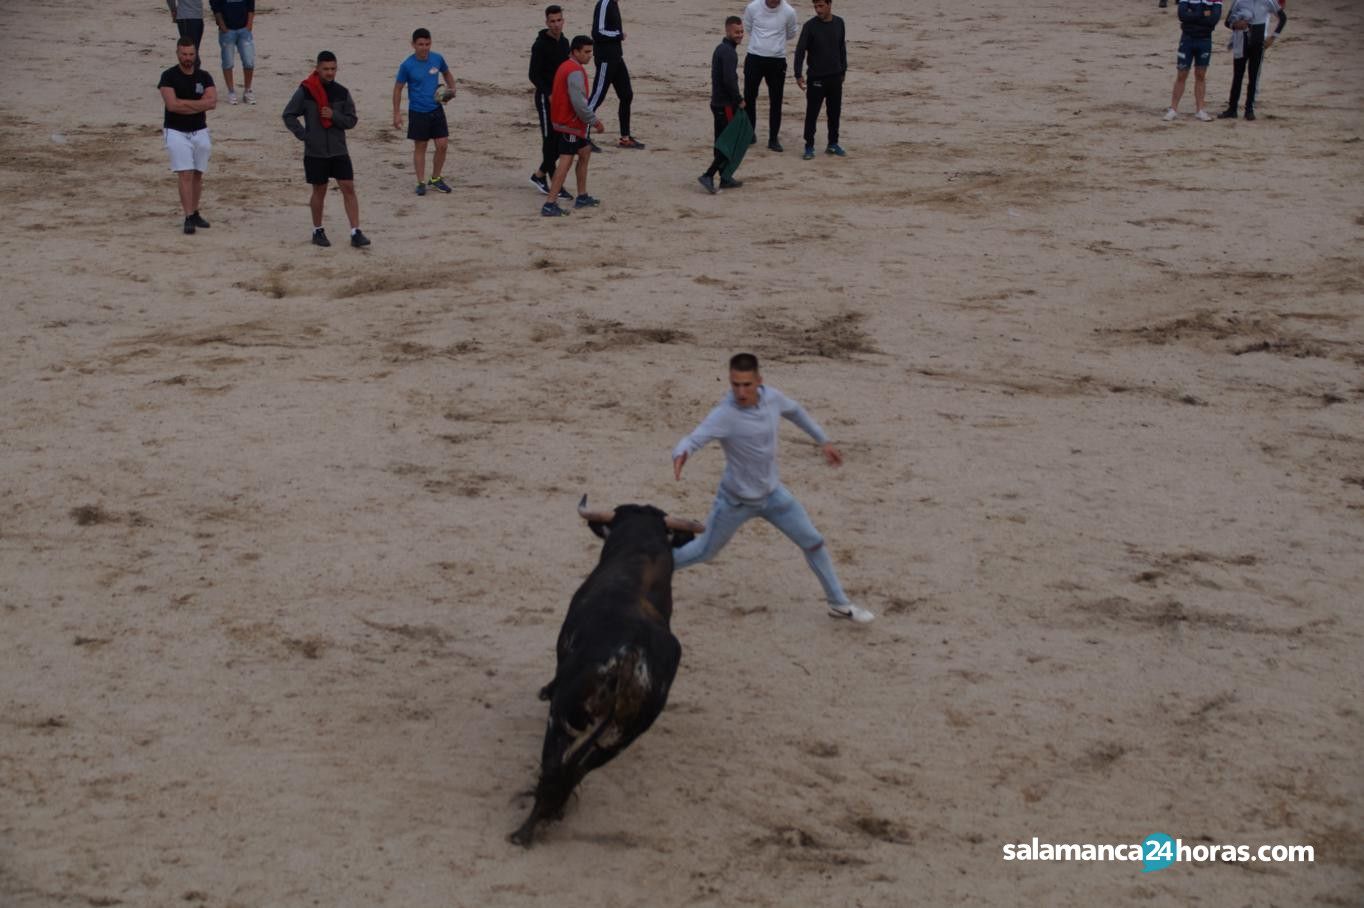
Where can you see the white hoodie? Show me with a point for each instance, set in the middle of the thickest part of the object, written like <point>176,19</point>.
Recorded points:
<point>769,29</point>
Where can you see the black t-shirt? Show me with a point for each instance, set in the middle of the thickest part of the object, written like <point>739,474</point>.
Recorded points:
<point>190,88</point>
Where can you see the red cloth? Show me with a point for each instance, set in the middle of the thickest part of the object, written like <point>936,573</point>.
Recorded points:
<point>314,86</point>
<point>562,116</point>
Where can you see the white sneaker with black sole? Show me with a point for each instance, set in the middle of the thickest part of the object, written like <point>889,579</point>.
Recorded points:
<point>854,613</point>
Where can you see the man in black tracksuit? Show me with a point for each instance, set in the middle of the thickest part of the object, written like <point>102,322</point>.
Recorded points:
<point>823,38</point>
<point>607,36</point>
<point>549,50</point>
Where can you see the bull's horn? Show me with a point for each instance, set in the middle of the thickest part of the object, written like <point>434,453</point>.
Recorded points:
<point>686,526</point>
<point>594,516</point>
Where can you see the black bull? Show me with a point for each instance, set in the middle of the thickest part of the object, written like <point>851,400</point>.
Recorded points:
<point>616,653</point>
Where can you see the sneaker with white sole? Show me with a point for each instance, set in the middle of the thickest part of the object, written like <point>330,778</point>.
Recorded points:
<point>249,96</point>
<point>855,613</point>
<point>1171,114</point>
<point>1204,116</point>
<point>231,97</point>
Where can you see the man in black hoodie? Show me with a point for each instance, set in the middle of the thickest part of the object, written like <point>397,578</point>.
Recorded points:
<point>823,39</point>
<point>549,50</point>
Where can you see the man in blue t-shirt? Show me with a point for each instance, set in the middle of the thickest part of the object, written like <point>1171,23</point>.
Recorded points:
<point>422,74</point>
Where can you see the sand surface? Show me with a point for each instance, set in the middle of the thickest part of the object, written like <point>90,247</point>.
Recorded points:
<point>286,534</point>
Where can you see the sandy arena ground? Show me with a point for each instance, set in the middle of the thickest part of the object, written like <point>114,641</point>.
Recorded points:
<point>286,534</point>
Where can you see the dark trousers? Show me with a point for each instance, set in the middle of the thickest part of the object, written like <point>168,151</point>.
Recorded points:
<point>194,30</point>
<point>1255,54</point>
<point>613,73</point>
<point>549,142</point>
<point>758,70</point>
<point>722,117</point>
<point>817,92</point>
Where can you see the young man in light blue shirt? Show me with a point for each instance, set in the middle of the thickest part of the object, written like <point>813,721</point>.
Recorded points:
<point>745,424</point>
<point>422,73</point>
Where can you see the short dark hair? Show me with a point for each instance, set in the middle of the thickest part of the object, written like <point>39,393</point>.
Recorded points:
<point>733,20</point>
<point>185,41</point>
<point>421,33</point>
<point>743,362</point>
<point>553,9</point>
<point>580,41</point>
<point>326,56</point>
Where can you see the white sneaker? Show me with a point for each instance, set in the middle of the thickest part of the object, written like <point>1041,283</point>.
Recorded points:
<point>1204,116</point>
<point>848,610</point>
<point>249,97</point>
<point>232,97</point>
<point>1170,114</point>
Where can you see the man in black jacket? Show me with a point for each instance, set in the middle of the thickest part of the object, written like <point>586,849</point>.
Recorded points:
<point>549,50</point>
<point>607,37</point>
<point>725,98</point>
<point>824,39</point>
<point>327,111</point>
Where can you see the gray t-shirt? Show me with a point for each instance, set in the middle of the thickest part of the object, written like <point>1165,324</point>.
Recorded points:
<point>748,436</point>
<point>186,9</point>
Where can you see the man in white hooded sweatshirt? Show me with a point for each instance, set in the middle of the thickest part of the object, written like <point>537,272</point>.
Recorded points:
<point>770,26</point>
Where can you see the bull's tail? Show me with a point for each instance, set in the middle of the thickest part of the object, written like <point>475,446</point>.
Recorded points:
<point>609,697</point>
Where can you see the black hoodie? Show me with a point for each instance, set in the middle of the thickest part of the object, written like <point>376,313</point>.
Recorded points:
<point>545,56</point>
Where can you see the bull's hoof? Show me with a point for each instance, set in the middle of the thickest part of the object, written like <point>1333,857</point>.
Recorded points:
<point>522,837</point>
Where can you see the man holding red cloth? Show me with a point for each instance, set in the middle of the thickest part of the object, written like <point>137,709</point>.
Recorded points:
<point>327,111</point>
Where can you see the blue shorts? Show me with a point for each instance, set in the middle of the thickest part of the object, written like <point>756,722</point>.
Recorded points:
<point>237,39</point>
<point>1194,52</point>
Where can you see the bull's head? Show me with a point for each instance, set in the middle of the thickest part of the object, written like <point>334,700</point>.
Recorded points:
<point>680,531</point>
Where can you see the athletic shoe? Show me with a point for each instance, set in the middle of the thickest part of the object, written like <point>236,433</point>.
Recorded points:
<point>197,220</point>
<point>708,183</point>
<point>358,239</point>
<point>552,210</point>
<point>421,189</point>
<point>586,201</point>
<point>231,97</point>
<point>836,149</point>
<point>774,145</point>
<point>1171,114</point>
<point>728,183</point>
<point>439,183</point>
<point>809,153</point>
<point>189,225</point>
<point>564,193</point>
<point>540,183</point>
<point>1228,114</point>
<point>1250,114</point>
<point>249,96</point>
<point>628,142</point>
<point>320,238</point>
<point>855,613</point>
<point>1204,116</point>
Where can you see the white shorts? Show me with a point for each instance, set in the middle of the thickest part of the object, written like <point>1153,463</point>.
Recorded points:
<point>188,150</point>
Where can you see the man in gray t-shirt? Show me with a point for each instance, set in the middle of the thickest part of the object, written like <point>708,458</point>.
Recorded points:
<point>746,424</point>
<point>188,16</point>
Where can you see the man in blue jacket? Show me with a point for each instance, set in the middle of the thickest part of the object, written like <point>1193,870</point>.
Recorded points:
<point>1197,19</point>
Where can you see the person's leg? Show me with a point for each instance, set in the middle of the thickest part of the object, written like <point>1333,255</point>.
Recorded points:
<point>833,92</point>
<point>621,83</point>
<point>1255,54</point>
<point>548,152</point>
<point>1238,71</point>
<point>196,190</point>
<point>316,201</point>
<point>438,159</point>
<point>1200,86</point>
<point>784,512</point>
<point>600,83</point>
<point>246,46</point>
<point>350,201</point>
<point>776,82</point>
<point>724,521</point>
<point>419,159</point>
<point>185,183</point>
<point>226,47</point>
<point>814,99</point>
<point>753,77</point>
<point>560,177</point>
<point>581,173</point>
<point>1181,76</point>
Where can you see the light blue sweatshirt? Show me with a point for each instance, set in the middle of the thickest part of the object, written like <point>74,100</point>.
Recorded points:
<point>748,436</point>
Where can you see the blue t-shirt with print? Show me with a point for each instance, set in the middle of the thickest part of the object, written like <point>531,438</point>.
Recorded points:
<point>420,77</point>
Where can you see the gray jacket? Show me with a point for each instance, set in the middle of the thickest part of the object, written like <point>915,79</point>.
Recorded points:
<point>320,142</point>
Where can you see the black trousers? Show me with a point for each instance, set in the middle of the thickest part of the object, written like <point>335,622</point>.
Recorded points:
<point>549,142</point>
<point>722,117</point>
<point>613,73</point>
<point>1255,54</point>
<point>194,30</point>
<point>817,92</point>
<point>758,70</point>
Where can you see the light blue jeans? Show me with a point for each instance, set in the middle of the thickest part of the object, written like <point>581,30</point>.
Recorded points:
<point>783,511</point>
<point>241,41</point>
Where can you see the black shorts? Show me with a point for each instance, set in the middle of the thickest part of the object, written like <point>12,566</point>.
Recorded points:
<point>571,144</point>
<point>320,170</point>
<point>423,126</point>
